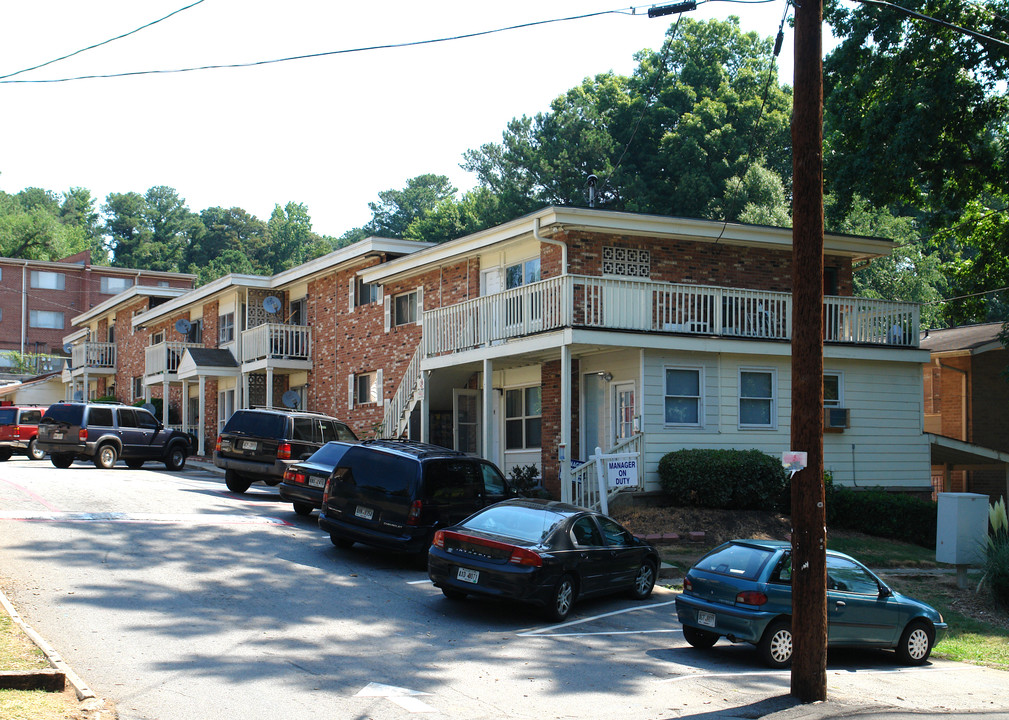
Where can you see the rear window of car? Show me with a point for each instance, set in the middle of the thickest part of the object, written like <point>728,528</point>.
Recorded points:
<point>260,424</point>
<point>512,521</point>
<point>743,561</point>
<point>379,471</point>
<point>329,454</point>
<point>69,414</point>
<point>8,416</point>
<point>30,417</point>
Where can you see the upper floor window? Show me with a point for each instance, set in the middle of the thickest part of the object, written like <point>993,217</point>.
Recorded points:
<point>116,285</point>
<point>226,327</point>
<point>163,283</point>
<point>522,273</point>
<point>683,396</point>
<point>45,319</point>
<point>405,308</point>
<point>522,418</point>
<point>158,337</point>
<point>364,293</point>
<point>195,334</point>
<point>43,280</point>
<point>756,398</point>
<point>626,262</point>
<point>297,315</point>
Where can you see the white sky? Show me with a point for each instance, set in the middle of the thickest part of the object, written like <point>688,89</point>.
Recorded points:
<point>329,132</point>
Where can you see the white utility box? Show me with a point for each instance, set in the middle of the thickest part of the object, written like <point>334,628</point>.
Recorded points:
<point>962,528</point>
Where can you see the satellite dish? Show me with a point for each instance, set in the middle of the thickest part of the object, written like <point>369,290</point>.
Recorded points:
<point>68,348</point>
<point>291,399</point>
<point>271,303</point>
<point>149,407</point>
<point>182,326</point>
<point>78,395</point>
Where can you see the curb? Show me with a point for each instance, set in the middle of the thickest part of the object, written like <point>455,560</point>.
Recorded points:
<point>59,665</point>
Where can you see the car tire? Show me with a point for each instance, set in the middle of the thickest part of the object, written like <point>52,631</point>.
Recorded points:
<point>775,646</point>
<point>562,598</point>
<point>303,509</point>
<point>453,594</point>
<point>106,456</point>
<point>235,482</point>
<point>644,581</point>
<point>916,643</point>
<point>134,464</point>
<point>62,460</point>
<point>341,542</point>
<point>272,482</point>
<point>176,458</point>
<point>700,639</point>
<point>33,450</point>
<point>5,455</point>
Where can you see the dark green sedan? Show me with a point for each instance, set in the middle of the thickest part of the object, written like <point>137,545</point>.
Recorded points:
<point>742,591</point>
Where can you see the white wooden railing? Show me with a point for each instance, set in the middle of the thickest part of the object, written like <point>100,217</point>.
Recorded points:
<point>274,340</point>
<point>165,356</point>
<point>646,306</point>
<point>397,412</point>
<point>94,355</point>
<point>584,479</point>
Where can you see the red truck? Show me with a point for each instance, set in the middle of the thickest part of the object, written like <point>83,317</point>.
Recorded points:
<point>19,426</point>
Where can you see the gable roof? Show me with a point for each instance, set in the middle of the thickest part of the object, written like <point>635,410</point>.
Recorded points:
<point>964,340</point>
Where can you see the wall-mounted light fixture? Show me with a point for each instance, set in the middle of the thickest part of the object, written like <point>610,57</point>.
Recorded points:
<point>605,375</point>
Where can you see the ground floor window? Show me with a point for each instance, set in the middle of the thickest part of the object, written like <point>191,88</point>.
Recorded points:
<point>756,398</point>
<point>683,396</point>
<point>522,418</point>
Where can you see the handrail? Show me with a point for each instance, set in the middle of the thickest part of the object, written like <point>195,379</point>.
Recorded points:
<point>397,412</point>
<point>277,340</point>
<point>94,355</point>
<point>584,478</point>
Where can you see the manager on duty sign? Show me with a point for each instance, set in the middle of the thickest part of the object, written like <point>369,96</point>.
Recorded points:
<point>622,472</point>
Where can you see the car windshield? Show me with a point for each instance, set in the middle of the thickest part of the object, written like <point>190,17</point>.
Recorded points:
<point>69,414</point>
<point>329,454</point>
<point>255,423</point>
<point>514,521</point>
<point>743,561</point>
<point>8,416</point>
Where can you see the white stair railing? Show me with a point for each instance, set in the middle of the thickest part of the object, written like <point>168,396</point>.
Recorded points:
<point>585,485</point>
<point>397,412</point>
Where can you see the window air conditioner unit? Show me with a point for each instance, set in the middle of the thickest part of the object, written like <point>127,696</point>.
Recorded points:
<point>835,418</point>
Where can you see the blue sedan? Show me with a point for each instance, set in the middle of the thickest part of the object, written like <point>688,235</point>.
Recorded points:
<point>742,591</point>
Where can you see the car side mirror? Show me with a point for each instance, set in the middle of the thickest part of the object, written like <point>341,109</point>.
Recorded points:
<point>884,592</point>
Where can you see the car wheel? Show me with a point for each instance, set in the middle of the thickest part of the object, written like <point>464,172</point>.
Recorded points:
<point>272,482</point>
<point>134,464</point>
<point>341,542</point>
<point>701,639</point>
<point>303,509</point>
<point>453,594</point>
<point>644,581</point>
<point>106,456</point>
<point>62,460</point>
<point>561,599</point>
<point>5,455</point>
<point>235,482</point>
<point>33,450</point>
<point>775,647</point>
<point>916,643</point>
<point>176,459</point>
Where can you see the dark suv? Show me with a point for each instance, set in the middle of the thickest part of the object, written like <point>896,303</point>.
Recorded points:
<point>105,432</point>
<point>394,494</point>
<point>19,427</point>
<point>261,444</point>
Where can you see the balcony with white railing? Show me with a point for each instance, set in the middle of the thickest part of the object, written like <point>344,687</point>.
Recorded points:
<point>275,341</point>
<point>164,358</point>
<point>654,307</point>
<point>94,357</point>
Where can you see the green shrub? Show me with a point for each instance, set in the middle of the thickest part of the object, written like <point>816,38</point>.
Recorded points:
<point>883,514</point>
<point>996,562</point>
<point>524,479</point>
<point>727,479</point>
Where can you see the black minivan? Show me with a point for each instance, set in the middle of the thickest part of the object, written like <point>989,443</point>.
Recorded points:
<point>394,494</point>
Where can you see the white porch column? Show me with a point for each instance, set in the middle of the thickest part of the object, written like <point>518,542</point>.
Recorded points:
<point>86,388</point>
<point>564,464</point>
<point>202,423</point>
<point>269,387</point>
<point>185,406</point>
<point>244,387</point>
<point>488,412</point>
<point>164,402</point>
<point>425,409</point>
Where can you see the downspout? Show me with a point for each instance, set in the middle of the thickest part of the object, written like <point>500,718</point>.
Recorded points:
<point>551,241</point>
<point>24,305</point>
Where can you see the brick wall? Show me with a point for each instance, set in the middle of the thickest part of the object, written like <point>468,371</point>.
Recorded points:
<point>952,397</point>
<point>323,308</point>
<point>551,422</point>
<point>990,400</point>
<point>130,348</point>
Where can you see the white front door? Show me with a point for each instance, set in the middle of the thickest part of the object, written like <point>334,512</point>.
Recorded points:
<point>623,406</point>
<point>466,425</point>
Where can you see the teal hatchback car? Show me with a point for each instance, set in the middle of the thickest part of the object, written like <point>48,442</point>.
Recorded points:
<point>742,591</point>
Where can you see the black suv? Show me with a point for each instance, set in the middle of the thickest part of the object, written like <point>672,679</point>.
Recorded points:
<point>261,444</point>
<point>105,432</point>
<point>394,494</point>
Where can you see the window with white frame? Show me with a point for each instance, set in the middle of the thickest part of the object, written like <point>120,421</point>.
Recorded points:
<point>364,293</point>
<point>226,327</point>
<point>523,273</point>
<point>523,420</point>
<point>366,388</point>
<point>683,396</point>
<point>158,337</point>
<point>45,319</point>
<point>404,309</point>
<point>115,285</point>
<point>833,389</point>
<point>163,283</point>
<point>44,280</point>
<point>756,398</point>
<point>137,388</point>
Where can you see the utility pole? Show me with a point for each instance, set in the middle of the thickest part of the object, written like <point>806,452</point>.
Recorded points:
<point>809,561</point>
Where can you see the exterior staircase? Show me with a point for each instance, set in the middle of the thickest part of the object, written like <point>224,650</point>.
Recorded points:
<point>397,413</point>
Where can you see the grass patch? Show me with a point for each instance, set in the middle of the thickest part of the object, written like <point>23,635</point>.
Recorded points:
<point>36,705</point>
<point>877,552</point>
<point>17,651</point>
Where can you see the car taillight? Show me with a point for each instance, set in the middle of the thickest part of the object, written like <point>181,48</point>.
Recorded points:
<point>284,451</point>
<point>413,517</point>
<point>751,597</point>
<point>439,539</point>
<point>217,445</point>
<point>687,585</point>
<point>325,492</point>
<point>17,432</point>
<point>295,476</point>
<point>517,555</point>
<point>522,556</point>
<point>82,435</point>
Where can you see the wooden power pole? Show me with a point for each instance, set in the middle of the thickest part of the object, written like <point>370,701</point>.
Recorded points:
<point>809,571</point>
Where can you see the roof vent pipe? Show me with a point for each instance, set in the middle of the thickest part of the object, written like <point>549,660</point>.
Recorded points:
<point>551,241</point>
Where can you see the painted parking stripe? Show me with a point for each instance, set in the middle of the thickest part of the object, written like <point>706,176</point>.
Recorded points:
<point>157,518</point>
<point>551,630</point>
<point>787,672</point>
<point>34,496</point>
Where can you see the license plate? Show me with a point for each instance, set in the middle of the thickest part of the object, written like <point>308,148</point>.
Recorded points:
<point>467,575</point>
<point>316,481</point>
<point>248,444</point>
<point>705,618</point>
<point>57,436</point>
<point>364,513</point>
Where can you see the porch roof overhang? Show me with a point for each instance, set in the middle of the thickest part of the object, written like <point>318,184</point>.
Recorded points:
<point>207,362</point>
<point>960,455</point>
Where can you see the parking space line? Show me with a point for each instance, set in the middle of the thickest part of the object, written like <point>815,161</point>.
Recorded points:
<point>548,631</point>
<point>34,496</point>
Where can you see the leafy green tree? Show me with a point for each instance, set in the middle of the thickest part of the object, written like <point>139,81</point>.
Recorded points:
<point>170,225</point>
<point>30,228</point>
<point>452,218</point>
<point>224,231</point>
<point>125,230</point>
<point>758,198</point>
<point>396,209</point>
<point>291,239</point>
<point>229,261</point>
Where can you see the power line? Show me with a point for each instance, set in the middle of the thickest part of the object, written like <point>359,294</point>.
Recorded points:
<point>942,23</point>
<point>104,42</point>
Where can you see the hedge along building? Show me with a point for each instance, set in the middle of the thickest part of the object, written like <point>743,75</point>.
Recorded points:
<point>570,329</point>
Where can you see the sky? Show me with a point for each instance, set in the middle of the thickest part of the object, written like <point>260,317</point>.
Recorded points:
<point>330,132</point>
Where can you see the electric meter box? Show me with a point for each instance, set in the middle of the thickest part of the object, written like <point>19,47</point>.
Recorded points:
<point>961,528</point>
